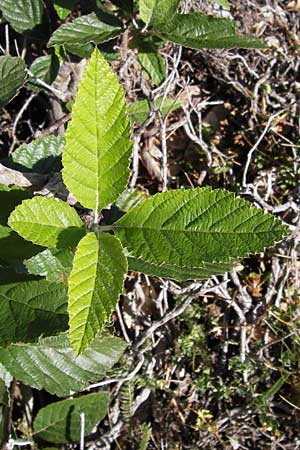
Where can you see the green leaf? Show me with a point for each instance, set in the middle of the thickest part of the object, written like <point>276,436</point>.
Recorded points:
<point>47,221</point>
<point>10,197</point>
<point>13,246</point>
<point>179,273</point>
<point>63,7</point>
<point>82,50</point>
<point>40,156</point>
<point>139,110</point>
<point>152,62</point>
<point>191,228</point>
<point>12,77</point>
<point>32,308</point>
<point>198,30</point>
<point>60,421</point>
<point>130,198</point>
<point>53,264</point>
<point>51,364</point>
<point>86,29</point>
<point>22,15</point>
<point>100,129</point>
<point>46,69</point>
<point>157,11</point>
<point>95,283</point>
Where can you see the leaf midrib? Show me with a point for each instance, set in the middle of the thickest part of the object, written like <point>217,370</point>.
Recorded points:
<point>176,230</point>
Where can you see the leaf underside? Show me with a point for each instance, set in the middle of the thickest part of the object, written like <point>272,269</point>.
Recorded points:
<point>53,264</point>
<point>60,421</point>
<point>52,365</point>
<point>191,228</point>
<point>47,221</point>
<point>98,146</point>
<point>95,284</point>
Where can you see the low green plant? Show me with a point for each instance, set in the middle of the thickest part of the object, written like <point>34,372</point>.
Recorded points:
<point>61,278</point>
<point>182,234</point>
<point>148,24</point>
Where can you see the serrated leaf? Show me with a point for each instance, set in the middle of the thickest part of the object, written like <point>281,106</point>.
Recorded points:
<point>47,221</point>
<point>95,283</point>
<point>10,197</point>
<point>51,364</point>
<point>22,15</point>
<point>13,246</point>
<point>85,29</point>
<point>191,227</point>
<point>63,7</point>
<point>139,110</point>
<point>12,77</point>
<point>60,421</point>
<point>179,273</point>
<point>32,308</point>
<point>198,30</point>
<point>40,156</point>
<point>82,50</point>
<point>157,11</point>
<point>100,129</point>
<point>53,264</point>
<point>44,68</point>
<point>152,62</point>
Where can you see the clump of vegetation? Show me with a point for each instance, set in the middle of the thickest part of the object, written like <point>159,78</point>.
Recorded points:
<point>119,280</point>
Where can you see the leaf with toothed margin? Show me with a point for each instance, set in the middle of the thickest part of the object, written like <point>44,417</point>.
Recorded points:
<point>45,68</point>
<point>194,227</point>
<point>198,30</point>
<point>52,365</point>
<point>31,308</point>
<point>157,12</point>
<point>86,29</point>
<point>42,155</point>
<point>95,283</point>
<point>53,264</point>
<point>47,221</point>
<point>63,7</point>
<point>179,273</point>
<point>23,15</point>
<point>98,146</point>
<point>60,421</point>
